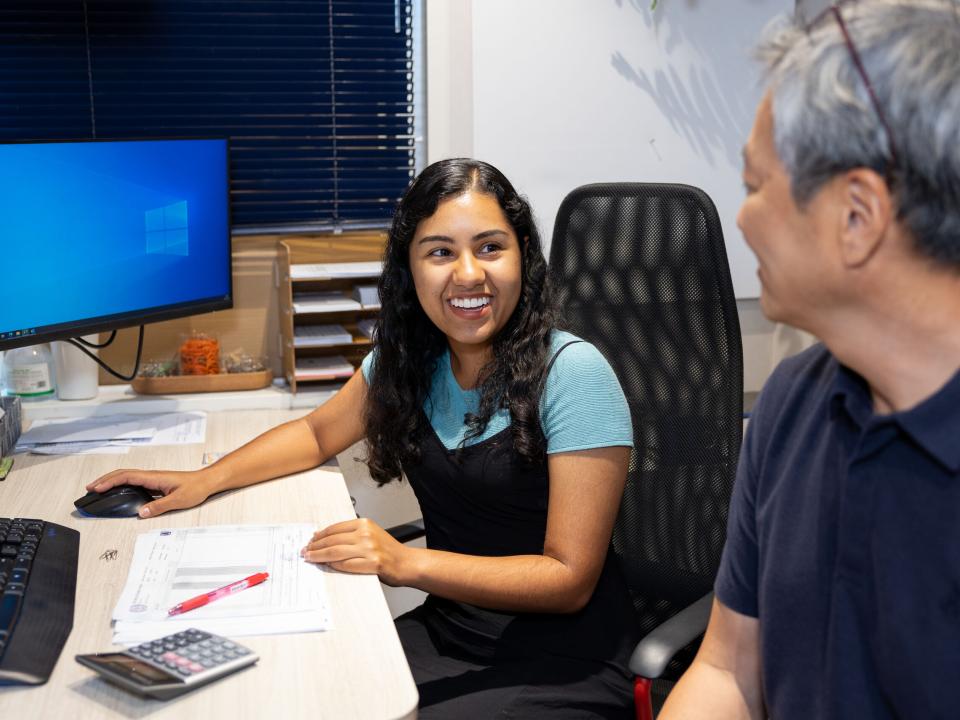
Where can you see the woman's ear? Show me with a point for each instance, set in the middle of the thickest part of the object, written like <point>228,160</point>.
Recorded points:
<point>868,214</point>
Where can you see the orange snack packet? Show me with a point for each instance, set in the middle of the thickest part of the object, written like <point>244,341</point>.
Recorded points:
<point>200,355</point>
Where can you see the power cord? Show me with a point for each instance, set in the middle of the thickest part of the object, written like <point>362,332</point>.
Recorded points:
<point>94,345</point>
<point>83,345</point>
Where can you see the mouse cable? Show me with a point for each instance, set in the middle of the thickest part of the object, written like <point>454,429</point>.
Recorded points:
<point>98,361</point>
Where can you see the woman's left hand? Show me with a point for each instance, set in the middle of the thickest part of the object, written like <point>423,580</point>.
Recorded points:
<point>360,546</point>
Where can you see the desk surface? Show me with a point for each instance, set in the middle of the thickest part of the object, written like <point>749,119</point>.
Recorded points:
<point>356,670</point>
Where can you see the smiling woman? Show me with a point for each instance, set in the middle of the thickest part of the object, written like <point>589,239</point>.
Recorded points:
<point>515,437</point>
<point>464,269</point>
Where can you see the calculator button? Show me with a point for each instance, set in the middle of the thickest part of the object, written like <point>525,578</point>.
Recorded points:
<point>184,671</point>
<point>229,645</point>
<point>195,667</point>
<point>205,643</point>
<point>206,652</point>
<point>207,662</point>
<point>241,651</point>
<point>181,661</point>
<point>217,658</point>
<point>171,656</point>
<point>170,664</point>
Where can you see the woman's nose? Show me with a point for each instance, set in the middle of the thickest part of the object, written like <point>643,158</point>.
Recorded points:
<point>468,271</point>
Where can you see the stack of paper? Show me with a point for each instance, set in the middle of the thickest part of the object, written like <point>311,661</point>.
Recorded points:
<point>368,296</point>
<point>323,302</point>
<point>170,566</point>
<point>112,434</point>
<point>367,327</point>
<point>329,271</point>
<point>323,368</point>
<point>319,335</point>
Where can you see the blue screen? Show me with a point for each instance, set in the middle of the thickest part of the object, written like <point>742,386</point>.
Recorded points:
<point>103,229</point>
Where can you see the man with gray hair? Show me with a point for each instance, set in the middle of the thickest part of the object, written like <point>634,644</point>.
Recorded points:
<point>838,594</point>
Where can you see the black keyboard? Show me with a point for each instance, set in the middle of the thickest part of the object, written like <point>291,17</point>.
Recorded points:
<point>38,581</point>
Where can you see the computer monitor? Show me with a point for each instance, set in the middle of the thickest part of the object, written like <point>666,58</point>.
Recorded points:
<point>105,234</point>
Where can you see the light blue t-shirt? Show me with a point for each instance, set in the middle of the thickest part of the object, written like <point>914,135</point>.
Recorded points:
<point>582,406</point>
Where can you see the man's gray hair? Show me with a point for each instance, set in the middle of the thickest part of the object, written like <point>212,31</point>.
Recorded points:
<point>825,123</point>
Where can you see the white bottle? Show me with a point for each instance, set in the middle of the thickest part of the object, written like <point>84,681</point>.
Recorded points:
<point>28,373</point>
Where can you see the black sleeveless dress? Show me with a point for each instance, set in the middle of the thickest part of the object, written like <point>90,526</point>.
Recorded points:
<point>473,662</point>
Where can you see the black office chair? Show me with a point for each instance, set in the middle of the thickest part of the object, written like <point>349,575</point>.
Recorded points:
<point>640,271</point>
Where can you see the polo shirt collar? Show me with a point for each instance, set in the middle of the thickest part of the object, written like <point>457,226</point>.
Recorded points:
<point>934,424</point>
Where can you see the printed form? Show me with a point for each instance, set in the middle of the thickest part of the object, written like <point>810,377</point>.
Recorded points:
<point>170,566</point>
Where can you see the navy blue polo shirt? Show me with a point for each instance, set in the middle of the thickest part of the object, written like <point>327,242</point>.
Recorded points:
<point>844,541</point>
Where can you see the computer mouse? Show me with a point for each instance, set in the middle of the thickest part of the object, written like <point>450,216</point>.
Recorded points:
<point>119,501</point>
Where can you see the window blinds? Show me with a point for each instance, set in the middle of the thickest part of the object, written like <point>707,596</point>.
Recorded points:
<point>316,96</point>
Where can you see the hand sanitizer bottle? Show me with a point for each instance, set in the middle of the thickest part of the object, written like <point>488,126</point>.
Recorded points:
<point>28,373</point>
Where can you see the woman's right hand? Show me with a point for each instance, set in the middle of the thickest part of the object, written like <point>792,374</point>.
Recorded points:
<point>180,489</point>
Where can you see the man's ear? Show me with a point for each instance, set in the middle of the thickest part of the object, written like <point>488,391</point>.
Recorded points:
<point>867,215</point>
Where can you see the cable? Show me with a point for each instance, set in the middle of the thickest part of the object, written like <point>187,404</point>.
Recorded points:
<point>94,345</point>
<point>98,361</point>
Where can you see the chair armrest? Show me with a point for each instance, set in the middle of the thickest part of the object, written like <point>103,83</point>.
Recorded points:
<point>655,651</point>
<point>407,531</point>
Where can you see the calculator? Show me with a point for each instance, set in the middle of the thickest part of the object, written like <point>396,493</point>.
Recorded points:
<point>171,665</point>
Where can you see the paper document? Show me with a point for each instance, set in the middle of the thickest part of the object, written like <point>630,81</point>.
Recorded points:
<point>187,428</point>
<point>95,447</point>
<point>326,271</point>
<point>319,335</point>
<point>323,302</point>
<point>106,428</point>
<point>323,368</point>
<point>170,566</point>
<point>112,434</point>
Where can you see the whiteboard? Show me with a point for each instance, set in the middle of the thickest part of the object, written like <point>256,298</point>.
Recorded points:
<point>568,92</point>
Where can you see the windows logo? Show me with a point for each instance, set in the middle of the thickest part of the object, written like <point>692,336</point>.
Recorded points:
<point>166,229</point>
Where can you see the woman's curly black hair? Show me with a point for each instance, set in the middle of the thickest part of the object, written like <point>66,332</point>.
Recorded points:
<point>408,345</point>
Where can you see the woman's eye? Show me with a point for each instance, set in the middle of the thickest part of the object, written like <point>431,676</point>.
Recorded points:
<point>490,247</point>
<point>439,252</point>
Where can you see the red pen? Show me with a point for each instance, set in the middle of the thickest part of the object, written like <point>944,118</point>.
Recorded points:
<point>201,600</point>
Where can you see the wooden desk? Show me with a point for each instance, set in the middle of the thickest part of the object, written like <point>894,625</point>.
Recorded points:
<point>356,670</point>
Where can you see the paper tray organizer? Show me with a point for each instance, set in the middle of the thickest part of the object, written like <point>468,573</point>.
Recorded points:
<point>221,382</point>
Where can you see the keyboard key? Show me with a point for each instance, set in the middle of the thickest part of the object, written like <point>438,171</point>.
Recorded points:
<point>9,609</point>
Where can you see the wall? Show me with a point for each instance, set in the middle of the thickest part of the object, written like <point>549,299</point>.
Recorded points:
<point>558,93</point>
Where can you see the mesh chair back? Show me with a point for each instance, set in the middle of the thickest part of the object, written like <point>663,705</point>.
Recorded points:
<point>640,271</point>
